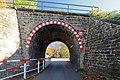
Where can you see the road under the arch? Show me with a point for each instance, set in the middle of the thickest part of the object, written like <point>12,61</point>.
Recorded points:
<point>50,33</point>
<point>58,70</point>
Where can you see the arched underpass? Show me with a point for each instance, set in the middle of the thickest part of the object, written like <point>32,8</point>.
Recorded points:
<point>41,37</point>
<point>102,43</point>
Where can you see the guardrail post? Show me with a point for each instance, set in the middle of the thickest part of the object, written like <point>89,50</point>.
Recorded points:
<point>43,64</point>
<point>68,8</point>
<point>24,68</point>
<point>13,3</point>
<point>41,5</point>
<point>38,65</point>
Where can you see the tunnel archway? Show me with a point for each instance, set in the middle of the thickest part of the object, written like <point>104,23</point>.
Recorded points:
<point>48,32</point>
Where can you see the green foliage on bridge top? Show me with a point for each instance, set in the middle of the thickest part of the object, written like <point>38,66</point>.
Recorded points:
<point>113,16</point>
<point>30,4</point>
<point>25,4</point>
<point>4,4</point>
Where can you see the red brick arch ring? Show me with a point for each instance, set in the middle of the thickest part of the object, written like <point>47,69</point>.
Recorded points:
<point>54,22</point>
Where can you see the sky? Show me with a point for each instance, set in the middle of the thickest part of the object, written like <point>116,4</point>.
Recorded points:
<point>55,44</point>
<point>105,5</point>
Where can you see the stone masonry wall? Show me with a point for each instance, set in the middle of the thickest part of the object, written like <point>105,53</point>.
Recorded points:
<point>103,48</point>
<point>9,39</point>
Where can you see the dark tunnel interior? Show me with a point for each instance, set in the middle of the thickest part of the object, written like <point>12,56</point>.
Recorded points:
<point>50,33</point>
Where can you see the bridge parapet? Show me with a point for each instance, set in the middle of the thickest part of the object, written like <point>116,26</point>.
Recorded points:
<point>48,6</point>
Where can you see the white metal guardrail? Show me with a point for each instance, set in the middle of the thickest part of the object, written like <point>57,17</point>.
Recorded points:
<point>41,63</point>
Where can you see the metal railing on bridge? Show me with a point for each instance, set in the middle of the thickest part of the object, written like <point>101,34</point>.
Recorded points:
<point>40,65</point>
<point>48,6</point>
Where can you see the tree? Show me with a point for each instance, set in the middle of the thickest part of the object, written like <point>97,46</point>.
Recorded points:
<point>19,3</point>
<point>96,12</point>
<point>3,3</point>
<point>112,16</point>
<point>26,4</point>
<point>50,51</point>
<point>0,3</point>
<point>64,52</point>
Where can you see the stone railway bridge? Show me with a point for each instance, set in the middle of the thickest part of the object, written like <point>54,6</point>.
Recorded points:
<point>93,44</point>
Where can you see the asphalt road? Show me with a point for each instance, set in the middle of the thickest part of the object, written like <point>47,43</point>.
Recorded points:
<point>58,70</point>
